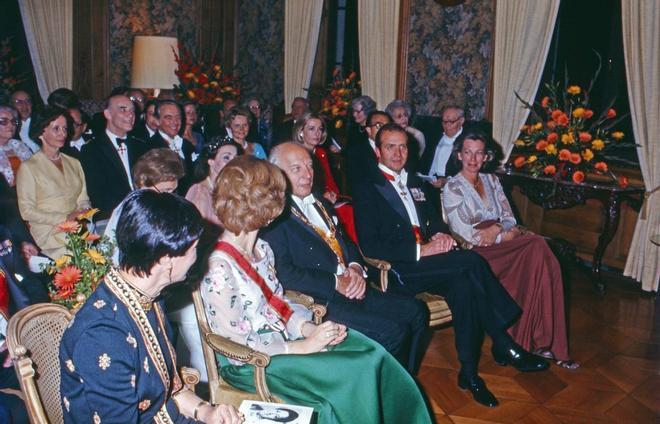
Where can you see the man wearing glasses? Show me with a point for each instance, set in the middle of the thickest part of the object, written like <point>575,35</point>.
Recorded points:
<point>22,102</point>
<point>453,118</point>
<point>361,161</point>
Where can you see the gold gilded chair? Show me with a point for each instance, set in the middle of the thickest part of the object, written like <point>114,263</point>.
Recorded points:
<point>219,390</point>
<point>439,312</point>
<point>33,339</point>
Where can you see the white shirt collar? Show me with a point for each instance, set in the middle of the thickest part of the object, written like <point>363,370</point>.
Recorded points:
<point>450,140</point>
<point>400,177</point>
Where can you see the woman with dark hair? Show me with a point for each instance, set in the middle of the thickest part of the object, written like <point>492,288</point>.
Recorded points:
<point>260,125</point>
<point>51,185</point>
<point>238,122</point>
<point>311,133</point>
<point>480,216</point>
<point>13,152</point>
<point>117,361</point>
<point>321,366</point>
<point>190,133</point>
<point>215,155</point>
<point>401,113</point>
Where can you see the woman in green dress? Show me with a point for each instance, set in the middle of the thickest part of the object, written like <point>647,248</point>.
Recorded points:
<point>345,376</point>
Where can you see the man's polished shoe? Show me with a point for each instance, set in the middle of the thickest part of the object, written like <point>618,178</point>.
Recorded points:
<point>520,359</point>
<point>480,392</point>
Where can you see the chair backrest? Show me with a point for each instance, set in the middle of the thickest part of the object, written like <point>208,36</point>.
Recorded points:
<point>33,337</point>
<point>209,354</point>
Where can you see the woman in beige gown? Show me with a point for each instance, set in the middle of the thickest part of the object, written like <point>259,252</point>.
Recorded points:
<point>51,185</point>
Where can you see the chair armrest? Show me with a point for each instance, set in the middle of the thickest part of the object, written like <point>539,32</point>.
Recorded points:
<point>318,311</point>
<point>384,268</point>
<point>242,353</point>
<point>190,377</point>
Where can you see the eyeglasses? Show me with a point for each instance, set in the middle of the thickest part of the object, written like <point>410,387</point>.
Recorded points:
<point>451,121</point>
<point>78,124</point>
<point>6,121</point>
<point>257,107</point>
<point>22,101</point>
<point>137,99</point>
<point>357,110</point>
<point>378,125</point>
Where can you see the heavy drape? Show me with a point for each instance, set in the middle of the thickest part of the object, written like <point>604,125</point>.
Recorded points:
<point>49,32</point>
<point>641,45</point>
<point>302,20</point>
<point>378,31</point>
<point>523,31</point>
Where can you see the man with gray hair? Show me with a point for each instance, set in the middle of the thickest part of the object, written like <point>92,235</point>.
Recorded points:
<point>22,102</point>
<point>314,256</point>
<point>437,157</point>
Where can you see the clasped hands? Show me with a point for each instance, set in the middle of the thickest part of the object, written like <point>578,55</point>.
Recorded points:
<point>351,283</point>
<point>439,243</point>
<point>318,337</point>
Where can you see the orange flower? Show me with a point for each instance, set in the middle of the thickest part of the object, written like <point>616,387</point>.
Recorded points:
<point>578,177</point>
<point>567,138</point>
<point>545,101</point>
<point>541,144</point>
<point>550,170</point>
<point>588,113</point>
<point>574,89</point>
<point>519,162</point>
<point>68,227</point>
<point>623,182</point>
<point>551,149</point>
<point>578,113</point>
<point>92,237</point>
<point>552,138</point>
<point>617,135</point>
<point>551,125</point>
<point>556,114</point>
<point>562,120</point>
<point>601,166</point>
<point>564,154</point>
<point>587,155</point>
<point>584,136</point>
<point>575,158</point>
<point>66,280</point>
<point>597,144</point>
<point>611,113</point>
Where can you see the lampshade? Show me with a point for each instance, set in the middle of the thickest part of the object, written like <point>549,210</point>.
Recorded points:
<point>153,62</point>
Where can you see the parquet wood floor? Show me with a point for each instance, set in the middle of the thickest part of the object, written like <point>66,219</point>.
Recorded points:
<point>615,337</point>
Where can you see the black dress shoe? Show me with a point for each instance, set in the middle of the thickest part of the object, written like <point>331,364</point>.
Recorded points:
<point>520,359</point>
<point>480,392</point>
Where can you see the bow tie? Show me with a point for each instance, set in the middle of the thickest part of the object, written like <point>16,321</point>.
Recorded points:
<point>120,141</point>
<point>401,179</point>
<point>308,200</point>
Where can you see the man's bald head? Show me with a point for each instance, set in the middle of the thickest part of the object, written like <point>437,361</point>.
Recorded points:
<point>295,161</point>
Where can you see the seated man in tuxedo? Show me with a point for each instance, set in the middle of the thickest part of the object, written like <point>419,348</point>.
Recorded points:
<point>361,161</point>
<point>315,257</point>
<point>144,130</point>
<point>435,161</point>
<point>284,131</point>
<point>108,158</point>
<point>396,222</point>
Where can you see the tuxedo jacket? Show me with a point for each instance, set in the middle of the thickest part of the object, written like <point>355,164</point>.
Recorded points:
<point>157,141</point>
<point>383,227</point>
<point>361,162</point>
<point>140,132</point>
<point>304,262</point>
<point>107,182</point>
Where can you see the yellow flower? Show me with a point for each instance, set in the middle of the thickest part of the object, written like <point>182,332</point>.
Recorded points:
<point>531,159</point>
<point>567,138</point>
<point>597,144</point>
<point>574,89</point>
<point>95,256</point>
<point>519,143</point>
<point>578,113</point>
<point>62,260</point>
<point>538,126</point>
<point>587,155</point>
<point>551,149</point>
<point>617,135</point>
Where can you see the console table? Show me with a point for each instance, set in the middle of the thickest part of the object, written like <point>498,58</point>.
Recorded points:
<point>553,194</point>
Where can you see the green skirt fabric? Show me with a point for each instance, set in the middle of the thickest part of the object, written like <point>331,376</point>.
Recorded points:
<point>357,381</point>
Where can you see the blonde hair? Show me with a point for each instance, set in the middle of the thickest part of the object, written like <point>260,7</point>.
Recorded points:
<point>249,193</point>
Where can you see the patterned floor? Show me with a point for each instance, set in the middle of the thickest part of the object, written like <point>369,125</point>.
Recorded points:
<point>615,337</point>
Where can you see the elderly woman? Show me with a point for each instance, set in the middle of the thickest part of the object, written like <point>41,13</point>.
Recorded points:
<point>51,185</point>
<point>260,125</point>
<point>401,113</point>
<point>12,152</point>
<point>117,361</point>
<point>346,378</point>
<point>361,107</point>
<point>159,170</point>
<point>237,121</point>
<point>479,213</point>
<point>310,132</point>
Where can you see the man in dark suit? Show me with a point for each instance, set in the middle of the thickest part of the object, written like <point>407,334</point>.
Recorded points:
<point>108,159</point>
<point>395,222</point>
<point>313,256</point>
<point>144,130</point>
<point>361,161</point>
<point>284,131</point>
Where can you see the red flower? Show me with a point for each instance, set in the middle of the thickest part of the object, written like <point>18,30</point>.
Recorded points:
<point>68,227</point>
<point>565,154</point>
<point>575,158</point>
<point>584,136</point>
<point>552,138</point>
<point>562,120</point>
<point>601,166</point>
<point>541,145</point>
<point>556,114</point>
<point>66,280</point>
<point>578,177</point>
<point>588,113</point>
<point>611,113</point>
<point>545,101</point>
<point>623,182</point>
<point>550,170</point>
<point>519,161</point>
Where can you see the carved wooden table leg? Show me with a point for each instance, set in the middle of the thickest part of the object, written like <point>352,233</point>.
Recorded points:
<point>611,209</point>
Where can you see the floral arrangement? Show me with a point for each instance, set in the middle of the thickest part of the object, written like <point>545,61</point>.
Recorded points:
<point>8,78</point>
<point>203,81</point>
<point>564,138</point>
<point>77,273</point>
<point>338,97</point>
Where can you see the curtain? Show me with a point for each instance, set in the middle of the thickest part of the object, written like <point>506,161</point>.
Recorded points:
<point>302,20</point>
<point>49,32</point>
<point>641,48</point>
<point>378,33</point>
<point>523,31</point>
